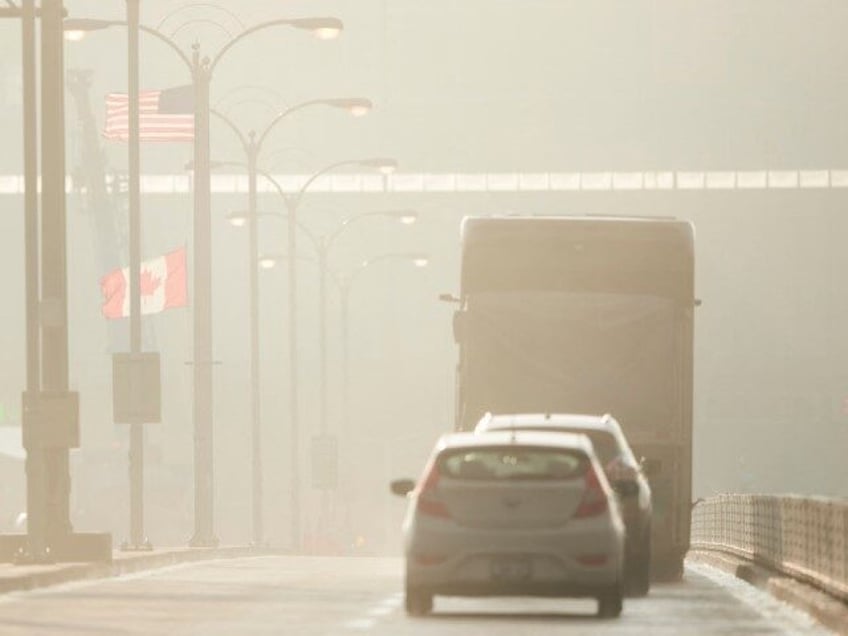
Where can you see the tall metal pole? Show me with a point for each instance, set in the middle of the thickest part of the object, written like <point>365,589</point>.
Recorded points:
<point>346,435</point>
<point>322,318</point>
<point>53,310</point>
<point>345,295</point>
<point>35,466</point>
<point>136,470</point>
<point>293,379</point>
<point>255,415</point>
<point>204,533</point>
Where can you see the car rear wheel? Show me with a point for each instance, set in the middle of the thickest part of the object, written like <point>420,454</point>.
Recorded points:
<point>611,604</point>
<point>417,602</point>
<point>639,569</point>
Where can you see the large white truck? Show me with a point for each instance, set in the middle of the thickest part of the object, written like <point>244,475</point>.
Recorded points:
<point>584,314</point>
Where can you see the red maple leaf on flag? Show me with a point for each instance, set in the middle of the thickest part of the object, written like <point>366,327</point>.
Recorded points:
<point>149,283</point>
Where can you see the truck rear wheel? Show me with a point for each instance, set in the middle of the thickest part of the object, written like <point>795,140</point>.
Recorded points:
<point>418,602</point>
<point>668,568</point>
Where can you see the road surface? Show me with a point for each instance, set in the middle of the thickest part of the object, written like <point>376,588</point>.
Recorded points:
<point>306,596</point>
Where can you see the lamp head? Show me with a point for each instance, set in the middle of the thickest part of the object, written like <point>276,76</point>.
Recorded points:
<point>383,165</point>
<point>408,217</point>
<point>75,35</point>
<point>321,28</point>
<point>75,29</point>
<point>267,262</point>
<point>237,219</point>
<point>356,106</point>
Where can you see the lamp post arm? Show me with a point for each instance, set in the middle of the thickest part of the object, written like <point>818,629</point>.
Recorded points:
<point>345,281</point>
<point>164,38</point>
<point>270,179</point>
<point>231,125</point>
<point>356,271</point>
<point>295,199</point>
<point>332,236</point>
<point>258,27</point>
<point>317,243</point>
<point>282,115</point>
<point>306,231</point>
<point>205,5</point>
<point>150,31</point>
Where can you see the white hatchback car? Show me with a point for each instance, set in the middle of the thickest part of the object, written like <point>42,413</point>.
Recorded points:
<point>622,470</point>
<point>513,514</point>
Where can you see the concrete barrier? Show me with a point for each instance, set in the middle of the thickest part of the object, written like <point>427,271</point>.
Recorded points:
<point>805,538</point>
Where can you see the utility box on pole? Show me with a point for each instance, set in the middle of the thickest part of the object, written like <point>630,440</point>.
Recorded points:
<point>136,388</point>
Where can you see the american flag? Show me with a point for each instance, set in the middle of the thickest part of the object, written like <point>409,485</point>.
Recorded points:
<point>165,115</point>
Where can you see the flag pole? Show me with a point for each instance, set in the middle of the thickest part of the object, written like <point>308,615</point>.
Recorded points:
<point>137,539</point>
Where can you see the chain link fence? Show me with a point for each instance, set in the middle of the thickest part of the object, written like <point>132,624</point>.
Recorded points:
<point>803,537</point>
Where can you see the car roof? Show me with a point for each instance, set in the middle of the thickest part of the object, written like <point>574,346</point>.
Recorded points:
<point>573,441</point>
<point>554,421</point>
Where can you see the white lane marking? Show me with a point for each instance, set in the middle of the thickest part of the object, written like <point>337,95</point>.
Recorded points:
<point>380,609</point>
<point>792,620</point>
<point>360,624</point>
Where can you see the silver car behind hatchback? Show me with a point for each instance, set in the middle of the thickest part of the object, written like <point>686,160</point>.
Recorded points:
<point>513,514</point>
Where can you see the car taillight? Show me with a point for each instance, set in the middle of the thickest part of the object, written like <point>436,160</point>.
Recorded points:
<point>429,559</point>
<point>592,560</point>
<point>428,501</point>
<point>594,501</point>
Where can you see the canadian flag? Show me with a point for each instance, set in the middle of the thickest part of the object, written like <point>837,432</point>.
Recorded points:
<point>163,285</point>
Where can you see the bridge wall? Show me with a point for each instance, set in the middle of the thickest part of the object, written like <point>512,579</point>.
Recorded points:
<point>803,537</point>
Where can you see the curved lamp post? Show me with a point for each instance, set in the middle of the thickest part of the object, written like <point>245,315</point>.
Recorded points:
<point>201,70</point>
<point>322,246</point>
<point>252,145</point>
<point>292,201</point>
<point>344,283</point>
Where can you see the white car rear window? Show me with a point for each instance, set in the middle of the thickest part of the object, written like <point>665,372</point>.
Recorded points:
<point>513,463</point>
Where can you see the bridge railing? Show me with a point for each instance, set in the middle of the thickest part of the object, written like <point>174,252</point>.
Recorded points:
<point>803,537</point>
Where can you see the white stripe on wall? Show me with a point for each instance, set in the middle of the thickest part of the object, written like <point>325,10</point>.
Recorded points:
<point>496,182</point>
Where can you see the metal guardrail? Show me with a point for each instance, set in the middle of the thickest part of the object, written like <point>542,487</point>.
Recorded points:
<point>803,537</point>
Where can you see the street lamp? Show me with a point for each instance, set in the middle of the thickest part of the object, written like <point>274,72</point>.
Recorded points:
<point>292,200</point>
<point>322,245</point>
<point>344,282</point>
<point>252,145</point>
<point>201,70</point>
<point>270,261</point>
<point>237,219</point>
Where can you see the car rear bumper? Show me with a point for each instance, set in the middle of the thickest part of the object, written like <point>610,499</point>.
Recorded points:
<point>539,574</point>
<point>556,589</point>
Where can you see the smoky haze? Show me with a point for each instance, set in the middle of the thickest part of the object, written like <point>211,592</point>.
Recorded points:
<point>512,89</point>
